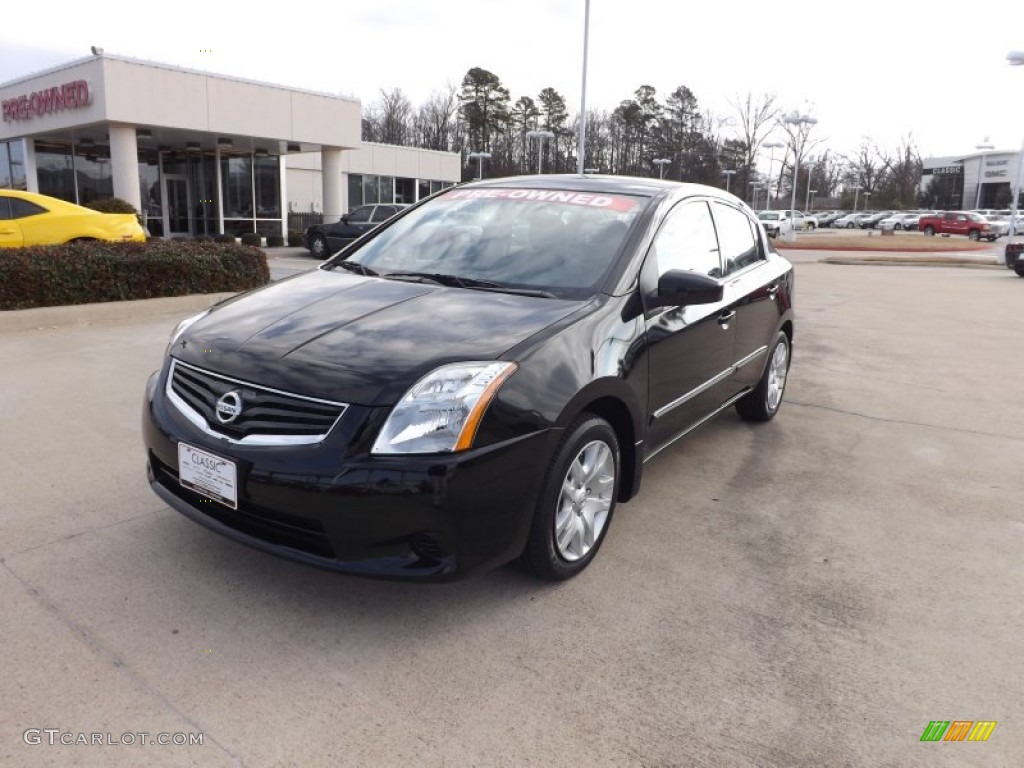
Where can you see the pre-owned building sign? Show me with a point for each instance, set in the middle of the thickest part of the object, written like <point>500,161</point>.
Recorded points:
<point>73,95</point>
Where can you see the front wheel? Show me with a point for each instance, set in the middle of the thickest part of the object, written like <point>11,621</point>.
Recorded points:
<point>576,501</point>
<point>974,235</point>
<point>898,226</point>
<point>991,238</point>
<point>929,230</point>
<point>850,225</point>
<point>763,403</point>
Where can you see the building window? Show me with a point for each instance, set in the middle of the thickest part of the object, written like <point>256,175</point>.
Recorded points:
<point>405,190</point>
<point>55,170</point>
<point>267,172</point>
<point>12,165</point>
<point>92,173</point>
<point>355,191</point>
<point>424,189</point>
<point>236,178</point>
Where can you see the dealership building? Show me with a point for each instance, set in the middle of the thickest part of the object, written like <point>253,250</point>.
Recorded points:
<point>200,153</point>
<point>964,182</point>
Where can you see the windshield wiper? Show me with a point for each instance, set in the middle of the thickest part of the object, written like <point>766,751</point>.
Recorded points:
<point>454,281</point>
<point>355,266</point>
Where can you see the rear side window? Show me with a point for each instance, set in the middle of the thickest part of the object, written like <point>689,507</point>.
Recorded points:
<point>383,213</point>
<point>21,209</point>
<point>5,209</point>
<point>736,238</point>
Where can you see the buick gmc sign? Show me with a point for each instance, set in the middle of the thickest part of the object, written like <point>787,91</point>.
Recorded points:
<point>73,95</point>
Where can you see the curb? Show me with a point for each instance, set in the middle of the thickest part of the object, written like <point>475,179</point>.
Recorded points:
<point>84,315</point>
<point>930,261</point>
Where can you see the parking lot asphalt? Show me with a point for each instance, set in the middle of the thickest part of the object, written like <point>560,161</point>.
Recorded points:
<point>810,592</point>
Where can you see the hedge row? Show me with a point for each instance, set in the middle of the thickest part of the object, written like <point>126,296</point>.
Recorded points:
<point>83,273</point>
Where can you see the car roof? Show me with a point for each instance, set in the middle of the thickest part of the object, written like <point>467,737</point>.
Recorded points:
<point>50,203</point>
<point>626,185</point>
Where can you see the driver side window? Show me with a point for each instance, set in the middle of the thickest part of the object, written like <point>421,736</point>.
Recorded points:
<point>360,215</point>
<point>687,240</point>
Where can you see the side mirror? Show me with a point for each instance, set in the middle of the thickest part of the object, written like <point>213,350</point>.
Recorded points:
<point>344,219</point>
<point>680,288</point>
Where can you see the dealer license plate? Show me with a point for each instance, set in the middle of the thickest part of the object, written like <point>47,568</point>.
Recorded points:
<point>210,475</point>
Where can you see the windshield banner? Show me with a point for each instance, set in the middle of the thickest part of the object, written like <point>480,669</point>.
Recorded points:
<point>619,203</point>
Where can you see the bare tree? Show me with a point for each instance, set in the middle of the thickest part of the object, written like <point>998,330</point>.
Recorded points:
<point>394,117</point>
<point>756,116</point>
<point>435,121</point>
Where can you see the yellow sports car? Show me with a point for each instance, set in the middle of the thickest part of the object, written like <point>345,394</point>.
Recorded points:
<point>30,219</point>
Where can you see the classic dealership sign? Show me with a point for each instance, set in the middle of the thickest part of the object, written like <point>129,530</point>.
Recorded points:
<point>73,95</point>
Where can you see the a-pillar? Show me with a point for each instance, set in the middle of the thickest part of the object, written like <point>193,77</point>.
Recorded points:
<point>330,176</point>
<point>124,164</point>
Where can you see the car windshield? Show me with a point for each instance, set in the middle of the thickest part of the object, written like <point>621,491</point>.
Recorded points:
<point>558,242</point>
<point>765,216</point>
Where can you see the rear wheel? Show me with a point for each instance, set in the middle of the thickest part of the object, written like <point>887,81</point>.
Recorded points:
<point>929,230</point>
<point>849,225</point>
<point>974,235</point>
<point>898,226</point>
<point>763,403</point>
<point>576,502</point>
<point>318,246</point>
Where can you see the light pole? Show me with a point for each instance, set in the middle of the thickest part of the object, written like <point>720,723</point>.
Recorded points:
<point>810,205</point>
<point>479,157</point>
<point>867,199</point>
<point>1016,59</point>
<point>981,169</point>
<point>582,150</point>
<point>807,197</point>
<point>540,135</point>
<point>772,146</point>
<point>754,186</point>
<point>856,192</point>
<point>661,162</point>
<point>795,118</point>
<point>728,177</point>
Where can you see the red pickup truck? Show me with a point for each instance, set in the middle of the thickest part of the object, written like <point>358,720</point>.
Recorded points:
<point>974,225</point>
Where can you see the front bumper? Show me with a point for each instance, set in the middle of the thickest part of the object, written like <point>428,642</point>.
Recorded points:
<point>437,517</point>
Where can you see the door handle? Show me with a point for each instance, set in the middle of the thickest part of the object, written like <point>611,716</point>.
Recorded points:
<point>773,290</point>
<point>726,317</point>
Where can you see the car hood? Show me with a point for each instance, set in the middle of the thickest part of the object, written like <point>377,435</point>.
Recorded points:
<point>356,339</point>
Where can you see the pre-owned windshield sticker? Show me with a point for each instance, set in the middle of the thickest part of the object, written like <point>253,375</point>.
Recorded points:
<point>618,203</point>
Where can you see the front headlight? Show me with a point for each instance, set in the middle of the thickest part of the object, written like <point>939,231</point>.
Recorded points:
<point>181,327</point>
<point>441,412</point>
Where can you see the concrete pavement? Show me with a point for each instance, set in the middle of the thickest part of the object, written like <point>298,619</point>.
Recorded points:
<point>811,592</point>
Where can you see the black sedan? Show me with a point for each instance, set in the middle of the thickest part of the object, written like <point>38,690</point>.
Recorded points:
<point>482,378</point>
<point>324,239</point>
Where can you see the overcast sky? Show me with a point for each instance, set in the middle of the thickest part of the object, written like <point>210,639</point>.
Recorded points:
<point>875,70</point>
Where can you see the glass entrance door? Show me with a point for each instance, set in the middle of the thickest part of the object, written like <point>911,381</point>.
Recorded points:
<point>179,205</point>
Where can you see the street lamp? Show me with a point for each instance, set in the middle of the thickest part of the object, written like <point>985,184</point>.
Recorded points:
<point>810,194</point>
<point>754,185</point>
<point>582,150</point>
<point>661,162</point>
<point>807,196</point>
<point>540,135</point>
<point>867,199</point>
<point>856,192</point>
<point>981,168</point>
<point>795,118</point>
<point>479,157</point>
<point>772,145</point>
<point>728,177</point>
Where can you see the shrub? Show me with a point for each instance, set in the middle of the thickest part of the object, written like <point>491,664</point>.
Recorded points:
<point>82,273</point>
<point>113,205</point>
<point>296,238</point>
<point>202,239</point>
<point>223,238</point>
<point>251,238</point>
<point>274,241</point>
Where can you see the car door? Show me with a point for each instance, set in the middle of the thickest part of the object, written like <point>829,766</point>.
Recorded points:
<point>752,290</point>
<point>10,231</point>
<point>690,349</point>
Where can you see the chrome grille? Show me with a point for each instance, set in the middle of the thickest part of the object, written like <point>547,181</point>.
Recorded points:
<point>267,417</point>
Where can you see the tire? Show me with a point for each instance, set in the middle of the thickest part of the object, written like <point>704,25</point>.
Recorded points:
<point>991,238</point>
<point>318,246</point>
<point>765,400</point>
<point>898,226</point>
<point>559,545</point>
<point>849,225</point>
<point>810,226</point>
<point>1018,267</point>
<point>929,230</point>
<point>974,235</point>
